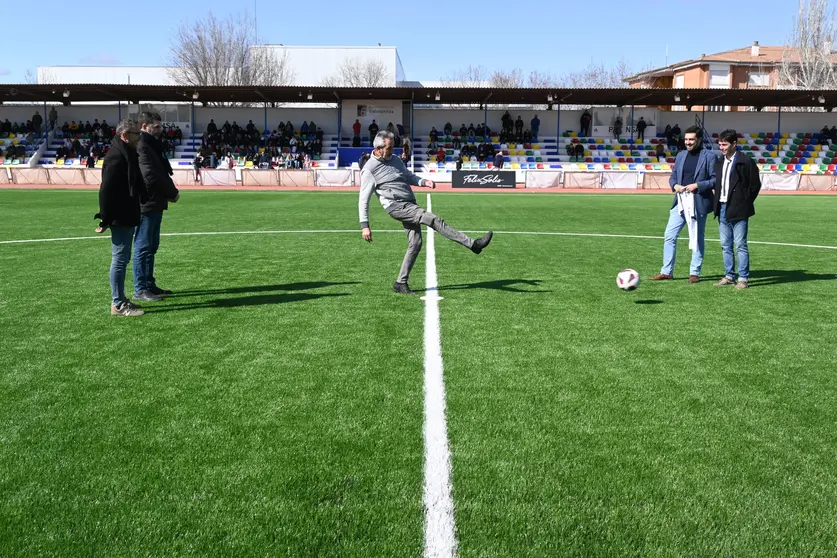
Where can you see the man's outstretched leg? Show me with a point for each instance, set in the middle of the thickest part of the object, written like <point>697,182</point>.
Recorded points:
<point>437,224</point>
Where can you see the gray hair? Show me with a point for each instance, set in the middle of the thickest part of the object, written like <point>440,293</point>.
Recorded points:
<point>381,137</point>
<point>125,125</point>
<point>147,118</point>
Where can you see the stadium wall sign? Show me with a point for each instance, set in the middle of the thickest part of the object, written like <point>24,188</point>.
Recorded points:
<point>483,179</point>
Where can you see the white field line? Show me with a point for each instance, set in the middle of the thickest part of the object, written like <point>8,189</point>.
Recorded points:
<point>353,231</point>
<point>439,526</point>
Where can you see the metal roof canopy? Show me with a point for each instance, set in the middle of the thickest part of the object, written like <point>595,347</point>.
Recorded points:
<point>54,93</point>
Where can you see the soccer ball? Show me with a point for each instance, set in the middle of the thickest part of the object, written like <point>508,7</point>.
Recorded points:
<point>627,279</point>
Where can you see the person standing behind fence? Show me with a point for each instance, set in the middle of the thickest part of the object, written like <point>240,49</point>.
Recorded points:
<point>156,172</point>
<point>120,195</point>
<point>640,129</point>
<point>499,159</point>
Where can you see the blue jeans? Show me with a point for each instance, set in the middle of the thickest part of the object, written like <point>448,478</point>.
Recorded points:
<point>120,239</point>
<point>676,222</point>
<point>146,242</point>
<point>734,232</point>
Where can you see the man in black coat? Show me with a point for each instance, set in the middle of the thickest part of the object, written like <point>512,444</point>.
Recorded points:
<point>737,187</point>
<point>156,172</point>
<point>498,160</point>
<point>120,195</point>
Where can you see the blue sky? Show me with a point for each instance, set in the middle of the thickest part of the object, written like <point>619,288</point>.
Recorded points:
<point>433,39</point>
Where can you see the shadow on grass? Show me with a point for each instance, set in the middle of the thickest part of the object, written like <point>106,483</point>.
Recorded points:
<point>255,300</point>
<point>498,285</point>
<point>304,286</point>
<point>765,277</point>
<point>649,302</point>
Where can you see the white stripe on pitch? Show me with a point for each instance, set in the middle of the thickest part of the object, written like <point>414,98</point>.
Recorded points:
<point>439,526</point>
<point>377,231</point>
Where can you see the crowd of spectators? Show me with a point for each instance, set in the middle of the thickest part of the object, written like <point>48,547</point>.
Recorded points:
<point>284,147</point>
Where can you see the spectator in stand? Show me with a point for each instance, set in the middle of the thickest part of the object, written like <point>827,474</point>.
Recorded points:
<point>364,157</point>
<point>156,172</point>
<point>53,118</point>
<point>499,159</point>
<point>120,194</point>
<point>407,147</point>
<point>640,128</point>
<point>518,126</point>
<point>472,132</point>
<point>211,128</point>
<point>458,160</point>
<point>660,152</point>
<point>303,129</point>
<point>508,123</point>
<point>463,131</point>
<point>91,156</point>
<point>617,127</point>
<point>832,135</point>
<point>480,131</point>
<point>579,152</point>
<point>440,155</point>
<point>448,129</point>
<point>586,119</point>
<point>37,122</point>
<point>400,128</point>
<point>571,151</point>
<point>373,130</point>
<point>434,134</point>
<point>391,128</point>
<point>456,143</point>
<point>356,140</point>
<point>527,136</point>
<point>535,123</point>
<point>356,127</point>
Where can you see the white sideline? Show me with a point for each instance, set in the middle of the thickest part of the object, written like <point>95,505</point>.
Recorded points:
<point>353,231</point>
<point>439,528</point>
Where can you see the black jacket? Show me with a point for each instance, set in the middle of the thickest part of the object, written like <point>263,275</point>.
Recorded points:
<point>122,188</point>
<point>156,171</point>
<point>742,190</point>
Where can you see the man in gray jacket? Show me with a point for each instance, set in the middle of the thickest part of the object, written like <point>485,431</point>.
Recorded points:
<point>387,177</point>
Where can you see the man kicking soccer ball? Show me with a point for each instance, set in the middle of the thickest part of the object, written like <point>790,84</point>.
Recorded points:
<point>387,177</point>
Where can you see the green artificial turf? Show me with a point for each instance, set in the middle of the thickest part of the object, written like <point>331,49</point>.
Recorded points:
<point>273,405</point>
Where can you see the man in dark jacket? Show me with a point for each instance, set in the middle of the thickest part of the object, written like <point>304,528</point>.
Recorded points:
<point>119,209</point>
<point>156,172</point>
<point>737,187</point>
<point>498,160</point>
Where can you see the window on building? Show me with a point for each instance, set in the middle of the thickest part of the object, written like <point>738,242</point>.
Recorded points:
<point>759,79</point>
<point>719,78</point>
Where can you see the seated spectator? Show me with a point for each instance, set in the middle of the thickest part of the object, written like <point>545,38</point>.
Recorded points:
<point>571,150</point>
<point>463,131</point>
<point>356,140</point>
<point>472,132</point>
<point>457,143</point>
<point>579,151</point>
<point>448,129</point>
<point>440,155</point>
<point>660,152</point>
<point>434,135</point>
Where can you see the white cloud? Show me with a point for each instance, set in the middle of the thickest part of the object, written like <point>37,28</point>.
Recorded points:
<point>5,71</point>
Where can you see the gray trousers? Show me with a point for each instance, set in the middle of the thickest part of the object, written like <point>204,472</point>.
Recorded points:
<point>413,217</point>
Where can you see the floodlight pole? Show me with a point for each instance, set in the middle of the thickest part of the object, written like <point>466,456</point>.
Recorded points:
<point>779,123</point>
<point>412,145</point>
<point>264,130</point>
<point>192,116</point>
<point>632,123</point>
<point>558,130</point>
<point>119,111</point>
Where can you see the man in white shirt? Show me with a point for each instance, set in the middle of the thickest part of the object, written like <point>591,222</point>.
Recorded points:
<point>738,186</point>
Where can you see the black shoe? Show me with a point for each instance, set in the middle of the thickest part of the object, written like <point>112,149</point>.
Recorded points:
<point>402,288</point>
<point>147,296</point>
<point>481,243</point>
<point>158,291</point>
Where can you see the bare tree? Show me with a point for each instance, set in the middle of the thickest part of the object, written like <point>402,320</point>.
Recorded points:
<point>212,51</point>
<point>512,79</point>
<point>469,78</point>
<point>42,76</point>
<point>808,60</point>
<point>359,72</point>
